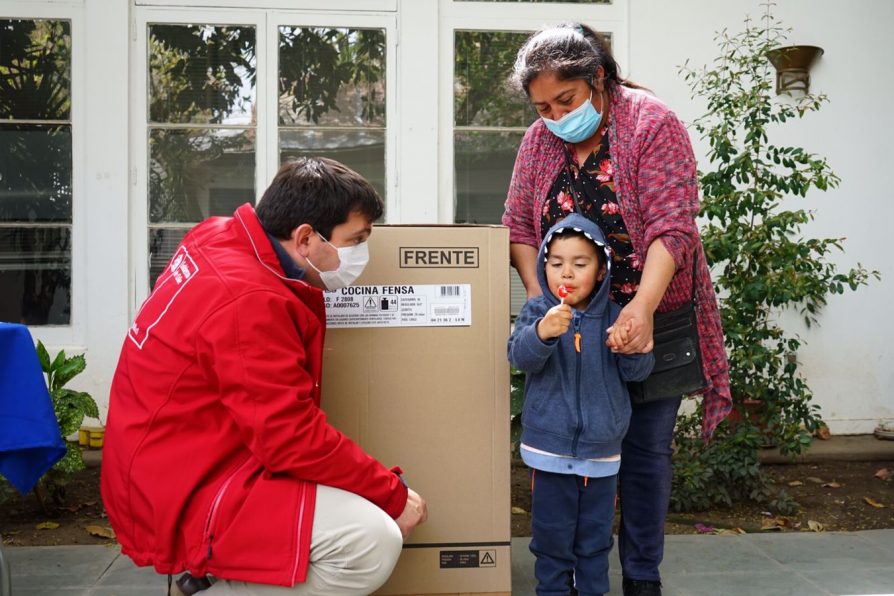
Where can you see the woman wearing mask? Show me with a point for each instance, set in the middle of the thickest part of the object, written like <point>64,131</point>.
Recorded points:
<point>607,149</point>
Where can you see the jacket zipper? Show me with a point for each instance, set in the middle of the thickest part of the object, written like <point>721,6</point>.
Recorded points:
<point>298,533</point>
<point>577,356</point>
<point>212,512</point>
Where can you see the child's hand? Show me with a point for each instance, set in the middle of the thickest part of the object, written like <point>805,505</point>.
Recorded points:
<point>555,322</point>
<point>618,335</point>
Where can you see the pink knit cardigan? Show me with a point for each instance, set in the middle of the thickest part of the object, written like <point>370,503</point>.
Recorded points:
<point>657,189</point>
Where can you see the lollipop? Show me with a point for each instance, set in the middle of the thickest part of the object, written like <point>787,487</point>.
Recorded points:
<point>564,290</point>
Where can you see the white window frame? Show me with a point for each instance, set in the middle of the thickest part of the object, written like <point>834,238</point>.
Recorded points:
<point>71,335</point>
<point>508,16</point>
<point>304,5</point>
<point>267,23</point>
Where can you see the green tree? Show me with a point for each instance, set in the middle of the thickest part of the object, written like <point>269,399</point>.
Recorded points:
<point>483,65</point>
<point>762,267</point>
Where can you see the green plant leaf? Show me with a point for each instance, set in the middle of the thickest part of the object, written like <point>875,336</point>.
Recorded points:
<point>58,361</point>
<point>43,356</point>
<point>69,369</point>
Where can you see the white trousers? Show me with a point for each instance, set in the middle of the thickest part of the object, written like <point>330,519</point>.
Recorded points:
<point>353,550</point>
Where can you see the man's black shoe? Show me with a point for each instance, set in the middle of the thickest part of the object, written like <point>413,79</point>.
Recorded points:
<point>635,587</point>
<point>188,585</point>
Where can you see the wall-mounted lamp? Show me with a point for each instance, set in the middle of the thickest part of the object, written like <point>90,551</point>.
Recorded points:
<point>792,65</point>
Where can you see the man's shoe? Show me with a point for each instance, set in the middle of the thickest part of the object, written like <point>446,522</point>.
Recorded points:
<point>635,587</point>
<point>188,585</point>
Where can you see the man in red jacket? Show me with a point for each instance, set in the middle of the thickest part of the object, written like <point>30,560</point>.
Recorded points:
<point>218,459</point>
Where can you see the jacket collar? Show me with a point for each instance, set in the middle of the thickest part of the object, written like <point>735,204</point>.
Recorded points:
<point>248,222</point>
<point>289,266</point>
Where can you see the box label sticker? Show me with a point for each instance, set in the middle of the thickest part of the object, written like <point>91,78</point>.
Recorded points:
<point>462,559</point>
<point>412,305</point>
<point>441,257</point>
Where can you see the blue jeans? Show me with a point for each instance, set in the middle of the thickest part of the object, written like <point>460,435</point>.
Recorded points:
<point>645,485</point>
<point>571,528</point>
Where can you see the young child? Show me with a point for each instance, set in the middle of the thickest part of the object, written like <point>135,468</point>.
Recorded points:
<point>576,408</point>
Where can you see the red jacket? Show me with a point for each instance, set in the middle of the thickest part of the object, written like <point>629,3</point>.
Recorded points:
<point>215,440</point>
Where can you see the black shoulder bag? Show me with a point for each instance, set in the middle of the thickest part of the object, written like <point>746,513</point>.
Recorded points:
<point>678,363</point>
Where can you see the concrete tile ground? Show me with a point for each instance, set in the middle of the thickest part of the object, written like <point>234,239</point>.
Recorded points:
<point>802,564</point>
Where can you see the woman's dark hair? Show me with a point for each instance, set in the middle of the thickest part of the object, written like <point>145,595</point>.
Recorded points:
<point>570,51</point>
<point>317,191</point>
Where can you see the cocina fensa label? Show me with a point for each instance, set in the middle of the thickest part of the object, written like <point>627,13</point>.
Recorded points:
<point>410,305</point>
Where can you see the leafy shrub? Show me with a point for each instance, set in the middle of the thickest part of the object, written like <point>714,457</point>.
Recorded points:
<point>71,407</point>
<point>761,265</point>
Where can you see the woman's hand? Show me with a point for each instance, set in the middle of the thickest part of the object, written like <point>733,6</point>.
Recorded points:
<point>555,322</point>
<point>632,331</point>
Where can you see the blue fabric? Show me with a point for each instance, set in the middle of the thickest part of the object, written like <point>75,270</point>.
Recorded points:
<point>576,404</point>
<point>571,532</point>
<point>561,464</point>
<point>289,267</point>
<point>645,487</point>
<point>30,442</point>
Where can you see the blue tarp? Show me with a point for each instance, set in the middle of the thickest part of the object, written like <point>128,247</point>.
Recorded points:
<point>30,442</point>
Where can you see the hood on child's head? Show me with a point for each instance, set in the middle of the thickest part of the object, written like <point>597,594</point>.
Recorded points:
<point>591,231</point>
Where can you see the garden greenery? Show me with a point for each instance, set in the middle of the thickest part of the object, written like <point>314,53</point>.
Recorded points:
<point>762,266</point>
<point>71,407</point>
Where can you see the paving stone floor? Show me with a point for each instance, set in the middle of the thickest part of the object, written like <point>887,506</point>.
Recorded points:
<point>791,564</point>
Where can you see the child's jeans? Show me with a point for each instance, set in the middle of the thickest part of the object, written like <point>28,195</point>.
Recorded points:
<point>572,532</point>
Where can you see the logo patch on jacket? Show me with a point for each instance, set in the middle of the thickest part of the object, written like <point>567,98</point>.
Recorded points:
<point>179,272</point>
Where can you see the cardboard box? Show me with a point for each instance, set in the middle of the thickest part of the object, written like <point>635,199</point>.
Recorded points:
<point>415,371</point>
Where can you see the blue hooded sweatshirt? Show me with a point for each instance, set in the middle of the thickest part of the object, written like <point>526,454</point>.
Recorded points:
<point>576,402</point>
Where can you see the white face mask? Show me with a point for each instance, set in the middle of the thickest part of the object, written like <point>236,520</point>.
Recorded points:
<point>352,262</point>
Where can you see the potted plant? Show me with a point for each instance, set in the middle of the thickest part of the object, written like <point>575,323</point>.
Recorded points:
<point>71,407</point>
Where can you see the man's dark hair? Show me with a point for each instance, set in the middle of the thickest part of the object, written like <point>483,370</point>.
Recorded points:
<point>317,191</point>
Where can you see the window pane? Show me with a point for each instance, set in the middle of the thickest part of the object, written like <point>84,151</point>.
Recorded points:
<point>35,69</point>
<point>186,166</point>
<point>483,95</point>
<point>484,163</point>
<point>332,76</point>
<point>35,275</point>
<point>361,150</point>
<point>35,173</point>
<point>162,244</point>
<point>202,74</point>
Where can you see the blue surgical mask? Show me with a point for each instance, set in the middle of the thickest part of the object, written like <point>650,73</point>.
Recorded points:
<point>577,125</point>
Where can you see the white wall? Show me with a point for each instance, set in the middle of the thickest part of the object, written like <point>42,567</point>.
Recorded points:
<point>847,361</point>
